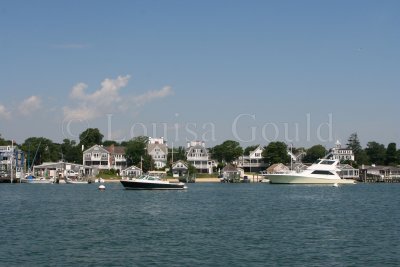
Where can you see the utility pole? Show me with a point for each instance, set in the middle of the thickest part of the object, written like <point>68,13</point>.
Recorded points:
<point>12,160</point>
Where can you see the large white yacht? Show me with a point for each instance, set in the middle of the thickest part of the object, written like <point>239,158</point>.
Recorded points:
<point>323,171</point>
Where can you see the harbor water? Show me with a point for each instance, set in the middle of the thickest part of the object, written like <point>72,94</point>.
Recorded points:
<point>210,224</point>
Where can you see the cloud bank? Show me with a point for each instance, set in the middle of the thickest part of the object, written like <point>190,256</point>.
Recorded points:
<point>4,114</point>
<point>107,99</point>
<point>30,105</point>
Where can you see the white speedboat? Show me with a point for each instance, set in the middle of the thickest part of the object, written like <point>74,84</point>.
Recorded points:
<point>323,171</point>
<point>74,181</point>
<point>148,182</point>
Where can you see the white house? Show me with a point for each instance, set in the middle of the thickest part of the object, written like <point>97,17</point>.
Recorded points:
<point>61,169</point>
<point>5,157</point>
<point>98,157</point>
<point>179,168</point>
<point>254,162</point>
<point>348,172</point>
<point>132,171</point>
<point>158,150</point>
<point>340,153</point>
<point>112,157</point>
<point>197,155</point>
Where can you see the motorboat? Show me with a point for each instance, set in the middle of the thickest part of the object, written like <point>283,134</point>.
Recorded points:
<point>31,179</point>
<point>148,182</point>
<point>323,171</point>
<point>74,181</point>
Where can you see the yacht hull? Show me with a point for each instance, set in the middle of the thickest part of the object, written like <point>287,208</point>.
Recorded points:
<point>293,179</point>
<point>152,185</point>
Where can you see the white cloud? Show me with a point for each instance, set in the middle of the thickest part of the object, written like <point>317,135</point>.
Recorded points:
<point>152,95</point>
<point>107,99</point>
<point>30,105</point>
<point>4,114</point>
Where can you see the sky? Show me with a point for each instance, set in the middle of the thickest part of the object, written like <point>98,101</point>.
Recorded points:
<point>301,72</point>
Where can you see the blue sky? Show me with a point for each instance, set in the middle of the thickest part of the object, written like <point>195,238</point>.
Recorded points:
<point>303,72</point>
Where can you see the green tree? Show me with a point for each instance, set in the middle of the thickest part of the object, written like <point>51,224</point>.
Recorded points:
<point>90,137</point>
<point>179,153</point>
<point>276,152</point>
<point>314,153</point>
<point>191,169</point>
<point>228,151</point>
<point>147,163</point>
<point>249,149</point>
<point>39,150</point>
<point>4,142</point>
<point>360,157</point>
<point>376,153</point>
<point>71,151</point>
<point>110,142</point>
<point>136,150</point>
<point>391,155</point>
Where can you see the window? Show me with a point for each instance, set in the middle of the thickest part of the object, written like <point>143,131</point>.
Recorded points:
<point>322,172</point>
<point>327,162</point>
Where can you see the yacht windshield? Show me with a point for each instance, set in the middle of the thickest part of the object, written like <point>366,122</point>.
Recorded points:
<point>322,172</point>
<point>327,162</point>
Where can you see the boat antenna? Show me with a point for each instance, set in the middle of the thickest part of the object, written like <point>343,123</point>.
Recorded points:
<point>291,156</point>
<point>34,158</point>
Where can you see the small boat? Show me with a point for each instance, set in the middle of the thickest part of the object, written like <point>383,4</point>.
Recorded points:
<point>74,181</point>
<point>323,171</point>
<point>30,179</point>
<point>149,182</point>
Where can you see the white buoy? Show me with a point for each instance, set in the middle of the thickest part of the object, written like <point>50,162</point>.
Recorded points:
<point>102,187</point>
<point>335,185</point>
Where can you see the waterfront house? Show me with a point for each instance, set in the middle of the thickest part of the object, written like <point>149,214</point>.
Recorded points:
<point>117,157</point>
<point>230,170</point>
<point>348,172</point>
<point>231,173</point>
<point>5,157</point>
<point>179,168</point>
<point>97,157</point>
<point>375,173</point>
<point>131,172</point>
<point>197,155</point>
<point>340,153</point>
<point>62,169</point>
<point>254,162</point>
<point>158,150</point>
<point>105,158</point>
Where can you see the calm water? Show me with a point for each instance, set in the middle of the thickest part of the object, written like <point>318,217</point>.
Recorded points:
<point>207,225</point>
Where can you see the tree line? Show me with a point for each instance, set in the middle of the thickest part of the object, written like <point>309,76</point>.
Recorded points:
<point>40,149</point>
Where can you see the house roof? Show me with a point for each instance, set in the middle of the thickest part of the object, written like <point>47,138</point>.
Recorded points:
<point>133,167</point>
<point>277,165</point>
<point>162,147</point>
<point>116,149</point>
<point>380,168</point>
<point>255,150</point>
<point>203,149</point>
<point>345,167</point>
<point>229,168</point>
<point>96,148</point>
<point>174,165</point>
